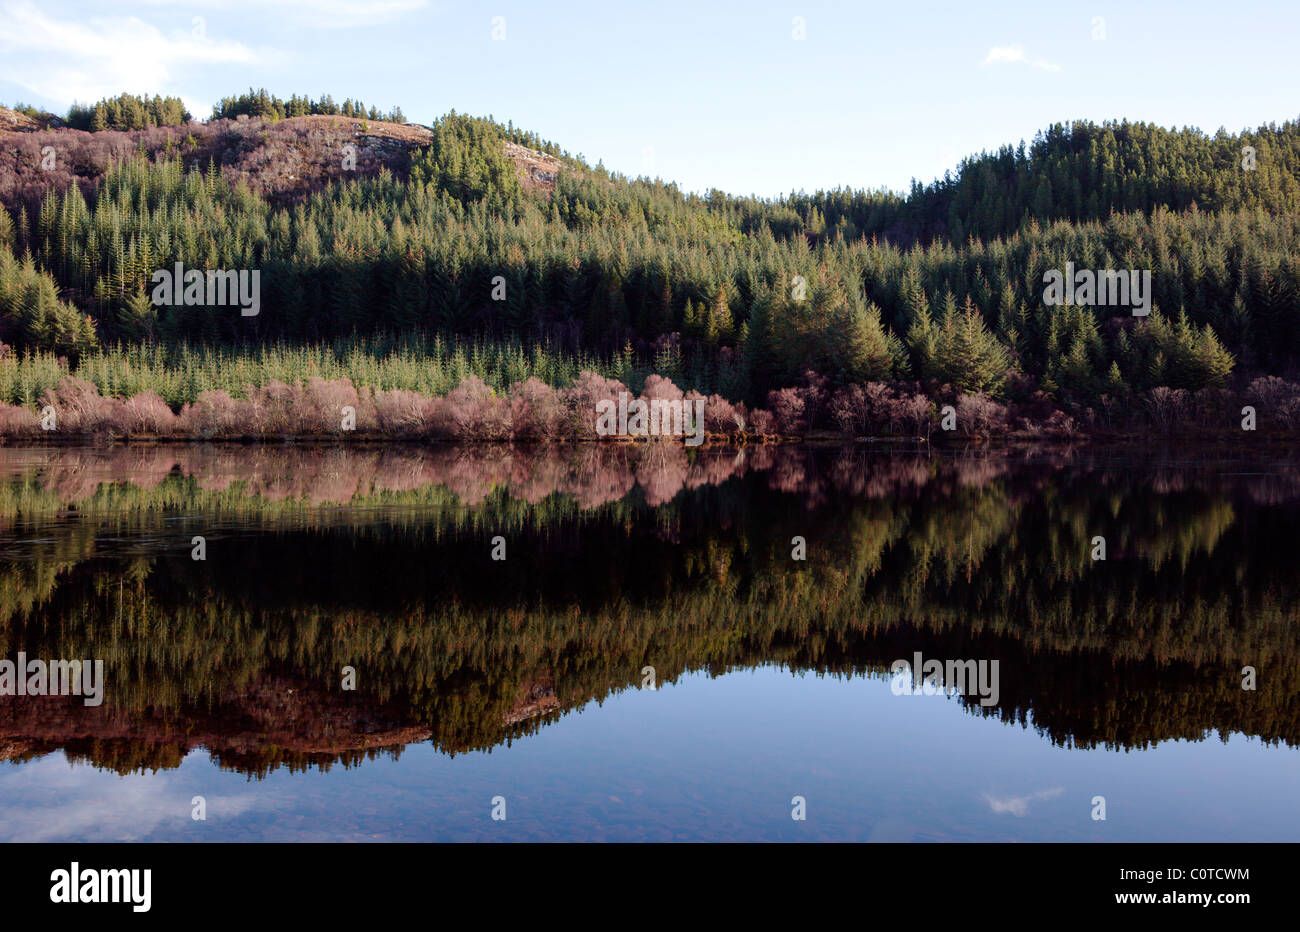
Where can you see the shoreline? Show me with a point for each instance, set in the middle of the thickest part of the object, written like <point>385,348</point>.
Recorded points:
<point>820,439</point>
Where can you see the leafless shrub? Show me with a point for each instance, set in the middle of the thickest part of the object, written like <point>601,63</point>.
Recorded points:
<point>658,388</point>
<point>402,413</point>
<point>980,414</point>
<point>536,412</point>
<point>580,401</point>
<point>18,421</point>
<point>762,423</point>
<point>79,408</point>
<point>1275,399</point>
<point>721,416</point>
<point>848,409</point>
<point>916,413</point>
<point>1166,407</point>
<point>474,412</point>
<point>145,413</point>
<point>788,405</point>
<point>216,414</point>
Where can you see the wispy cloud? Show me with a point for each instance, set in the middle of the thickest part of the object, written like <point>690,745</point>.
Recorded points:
<point>1015,55</point>
<point>1019,805</point>
<point>47,800</point>
<point>66,60</point>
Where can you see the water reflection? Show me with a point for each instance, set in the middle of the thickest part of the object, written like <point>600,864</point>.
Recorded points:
<point>621,558</point>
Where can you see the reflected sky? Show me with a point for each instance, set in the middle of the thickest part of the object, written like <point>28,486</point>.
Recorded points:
<point>705,759</point>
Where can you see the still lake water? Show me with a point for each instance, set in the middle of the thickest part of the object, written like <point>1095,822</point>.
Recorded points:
<point>524,678</point>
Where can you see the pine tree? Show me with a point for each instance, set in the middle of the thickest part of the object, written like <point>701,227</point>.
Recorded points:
<point>969,357</point>
<point>869,352</point>
<point>719,325</point>
<point>923,345</point>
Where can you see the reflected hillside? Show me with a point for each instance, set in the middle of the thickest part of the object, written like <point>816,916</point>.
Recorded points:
<point>621,557</point>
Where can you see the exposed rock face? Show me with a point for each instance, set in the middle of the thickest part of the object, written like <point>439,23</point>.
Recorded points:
<point>14,122</point>
<point>536,169</point>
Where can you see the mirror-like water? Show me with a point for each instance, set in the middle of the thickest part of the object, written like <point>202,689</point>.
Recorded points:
<point>347,660</point>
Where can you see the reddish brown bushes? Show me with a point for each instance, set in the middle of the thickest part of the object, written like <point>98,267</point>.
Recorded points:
<point>788,409</point>
<point>215,414</point>
<point>876,408</point>
<point>531,411</point>
<point>722,417</point>
<point>405,414</point>
<point>580,400</point>
<point>980,414</point>
<point>145,413</point>
<point>761,423</point>
<point>18,422</point>
<point>78,408</point>
<point>536,411</point>
<point>1276,400</point>
<point>473,412</point>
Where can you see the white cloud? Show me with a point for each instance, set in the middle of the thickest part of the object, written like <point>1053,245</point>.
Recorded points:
<point>86,60</point>
<point>49,800</point>
<point>1019,805</point>
<point>1015,55</point>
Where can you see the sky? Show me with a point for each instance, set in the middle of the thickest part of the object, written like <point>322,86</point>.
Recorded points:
<point>750,97</point>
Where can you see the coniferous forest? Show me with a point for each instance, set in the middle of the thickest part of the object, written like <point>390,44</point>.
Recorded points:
<point>841,309</point>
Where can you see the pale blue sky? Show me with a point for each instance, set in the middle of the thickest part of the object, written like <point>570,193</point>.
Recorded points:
<point>706,94</point>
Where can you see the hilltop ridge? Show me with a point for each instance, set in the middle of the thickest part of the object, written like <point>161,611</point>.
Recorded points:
<point>283,160</point>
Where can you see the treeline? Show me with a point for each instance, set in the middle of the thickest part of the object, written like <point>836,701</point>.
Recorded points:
<point>1078,171</point>
<point>721,294</point>
<point>260,103</point>
<point>127,112</point>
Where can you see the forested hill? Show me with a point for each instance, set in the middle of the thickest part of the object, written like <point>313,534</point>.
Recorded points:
<point>1084,171</point>
<point>474,228</point>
